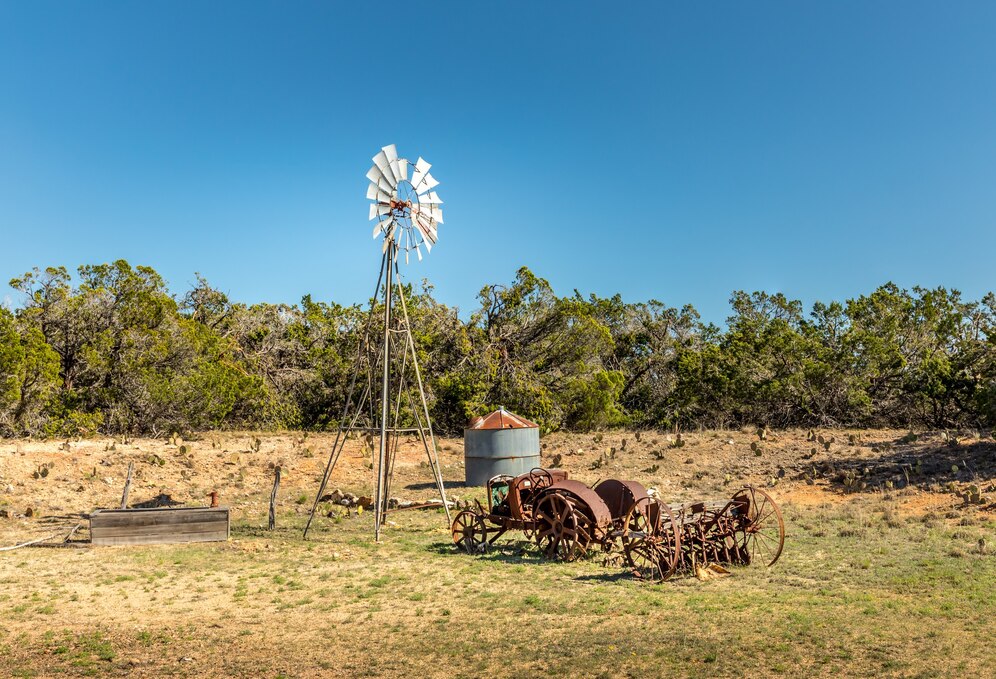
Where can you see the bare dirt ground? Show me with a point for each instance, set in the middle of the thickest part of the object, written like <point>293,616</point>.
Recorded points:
<point>883,528</point>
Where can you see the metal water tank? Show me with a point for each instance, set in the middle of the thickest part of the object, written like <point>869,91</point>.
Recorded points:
<point>499,443</point>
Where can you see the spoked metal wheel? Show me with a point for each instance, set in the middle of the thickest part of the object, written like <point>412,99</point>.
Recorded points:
<point>762,530</point>
<point>562,531</point>
<point>470,532</point>
<point>651,540</point>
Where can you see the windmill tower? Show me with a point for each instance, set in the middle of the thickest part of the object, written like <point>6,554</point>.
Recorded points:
<point>386,395</point>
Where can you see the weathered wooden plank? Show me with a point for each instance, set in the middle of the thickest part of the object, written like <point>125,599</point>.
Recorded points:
<point>219,536</point>
<point>162,517</point>
<point>159,525</point>
<point>199,527</point>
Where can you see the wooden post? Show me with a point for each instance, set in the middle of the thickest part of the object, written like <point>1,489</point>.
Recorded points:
<point>273,497</point>
<point>127,488</point>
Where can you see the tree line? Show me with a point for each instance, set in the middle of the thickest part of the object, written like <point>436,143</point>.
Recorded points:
<point>113,350</point>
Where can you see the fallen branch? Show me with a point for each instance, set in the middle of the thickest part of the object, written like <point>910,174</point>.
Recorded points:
<point>29,543</point>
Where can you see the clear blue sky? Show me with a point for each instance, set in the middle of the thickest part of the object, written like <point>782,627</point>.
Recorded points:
<point>659,150</point>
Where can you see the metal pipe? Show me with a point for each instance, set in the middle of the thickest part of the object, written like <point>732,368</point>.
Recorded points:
<point>385,392</point>
<point>433,459</point>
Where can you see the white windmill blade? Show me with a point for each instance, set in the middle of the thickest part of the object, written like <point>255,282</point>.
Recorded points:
<point>391,151</point>
<point>427,229</point>
<point>418,251</point>
<point>433,212</point>
<point>385,185</point>
<point>378,210</point>
<point>428,183</point>
<point>381,161</point>
<point>402,170</point>
<point>374,174</point>
<point>421,167</point>
<point>383,197</point>
<point>431,198</point>
<point>372,191</point>
<point>381,227</point>
<point>426,241</point>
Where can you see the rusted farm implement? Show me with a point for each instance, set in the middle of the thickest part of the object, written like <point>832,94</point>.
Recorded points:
<point>567,519</point>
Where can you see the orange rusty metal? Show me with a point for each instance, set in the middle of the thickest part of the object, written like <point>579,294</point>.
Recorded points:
<point>501,419</point>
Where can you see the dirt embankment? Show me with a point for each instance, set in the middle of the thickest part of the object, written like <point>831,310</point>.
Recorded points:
<point>56,483</point>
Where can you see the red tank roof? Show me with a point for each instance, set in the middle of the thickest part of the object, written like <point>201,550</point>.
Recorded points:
<point>501,419</point>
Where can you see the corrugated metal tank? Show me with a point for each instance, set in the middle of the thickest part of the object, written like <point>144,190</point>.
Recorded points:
<point>500,443</point>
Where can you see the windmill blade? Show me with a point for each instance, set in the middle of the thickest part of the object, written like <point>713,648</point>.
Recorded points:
<point>428,182</point>
<point>426,241</point>
<point>383,197</point>
<point>428,230</point>
<point>381,227</point>
<point>385,186</point>
<point>378,210</point>
<point>418,252</point>
<point>433,212</point>
<point>402,169</point>
<point>374,174</point>
<point>421,167</point>
<point>372,191</point>
<point>384,165</point>
<point>430,198</point>
<point>391,151</point>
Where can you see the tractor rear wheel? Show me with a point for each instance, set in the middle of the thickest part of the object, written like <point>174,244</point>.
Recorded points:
<point>562,532</point>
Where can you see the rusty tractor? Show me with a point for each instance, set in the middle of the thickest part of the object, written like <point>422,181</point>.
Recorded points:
<point>567,520</point>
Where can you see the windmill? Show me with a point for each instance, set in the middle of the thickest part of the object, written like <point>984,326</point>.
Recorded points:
<point>387,380</point>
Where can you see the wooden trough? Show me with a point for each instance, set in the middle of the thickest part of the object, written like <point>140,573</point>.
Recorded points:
<point>158,525</point>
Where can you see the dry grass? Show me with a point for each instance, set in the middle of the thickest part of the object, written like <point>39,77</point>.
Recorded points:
<point>893,584</point>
